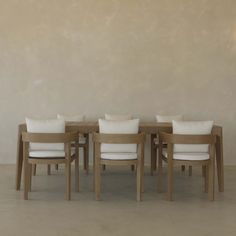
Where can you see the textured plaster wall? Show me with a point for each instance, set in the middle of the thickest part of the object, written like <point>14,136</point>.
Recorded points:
<point>141,57</point>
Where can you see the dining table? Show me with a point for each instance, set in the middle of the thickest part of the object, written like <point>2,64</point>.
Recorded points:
<point>149,128</point>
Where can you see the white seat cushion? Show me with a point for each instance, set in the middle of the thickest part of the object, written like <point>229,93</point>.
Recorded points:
<point>192,128</point>
<point>117,117</point>
<point>74,118</point>
<point>119,127</point>
<point>191,156</point>
<point>162,119</point>
<point>119,156</point>
<point>46,126</point>
<point>49,154</point>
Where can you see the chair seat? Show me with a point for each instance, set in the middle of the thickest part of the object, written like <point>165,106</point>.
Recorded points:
<point>119,156</point>
<point>49,154</point>
<point>188,156</point>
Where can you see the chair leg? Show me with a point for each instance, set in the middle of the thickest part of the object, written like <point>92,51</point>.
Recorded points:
<point>68,180</point>
<point>153,154</point>
<point>190,170</point>
<point>26,180</point>
<point>159,175</point>
<point>153,160</point>
<point>30,177</point>
<point>56,167</point>
<point>142,177</point>
<point>86,154</point>
<point>93,167</point>
<point>84,157</point>
<point>152,165</point>
<point>77,174</point>
<point>34,169</point>
<point>211,182</point>
<point>49,169</point>
<point>205,171</point>
<point>139,182</point>
<point>97,180</point>
<point>170,181</point>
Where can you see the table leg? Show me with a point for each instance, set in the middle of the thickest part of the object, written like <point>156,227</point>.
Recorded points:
<point>153,154</point>
<point>220,162</point>
<point>93,166</point>
<point>19,160</point>
<point>87,153</point>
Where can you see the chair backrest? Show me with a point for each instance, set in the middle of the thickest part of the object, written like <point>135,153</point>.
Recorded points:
<point>118,127</point>
<point>169,118</point>
<point>67,137</point>
<point>46,126</point>
<point>192,128</point>
<point>73,118</point>
<point>117,117</point>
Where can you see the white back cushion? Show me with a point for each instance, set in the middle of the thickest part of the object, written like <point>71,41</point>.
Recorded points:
<point>46,126</point>
<point>160,118</point>
<point>191,128</point>
<point>74,118</point>
<point>117,117</point>
<point>119,127</point>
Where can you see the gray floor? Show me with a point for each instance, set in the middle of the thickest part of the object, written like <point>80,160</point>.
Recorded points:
<point>47,213</point>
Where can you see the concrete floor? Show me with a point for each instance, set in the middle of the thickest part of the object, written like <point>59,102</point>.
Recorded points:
<point>47,213</point>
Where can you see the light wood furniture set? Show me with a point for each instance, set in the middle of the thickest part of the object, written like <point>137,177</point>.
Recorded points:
<point>145,128</point>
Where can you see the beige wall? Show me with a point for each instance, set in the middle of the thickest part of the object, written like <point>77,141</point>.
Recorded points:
<point>120,56</point>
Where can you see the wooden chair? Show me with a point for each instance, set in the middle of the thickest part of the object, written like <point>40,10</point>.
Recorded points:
<point>83,143</point>
<point>136,159</point>
<point>48,157</point>
<point>206,160</point>
<point>113,117</point>
<point>155,141</point>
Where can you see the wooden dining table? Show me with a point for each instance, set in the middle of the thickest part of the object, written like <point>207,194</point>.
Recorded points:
<point>149,128</point>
